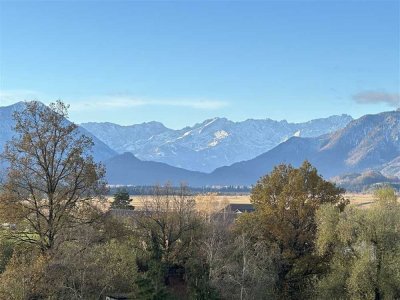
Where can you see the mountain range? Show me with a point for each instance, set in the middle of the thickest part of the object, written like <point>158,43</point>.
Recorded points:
<point>371,142</point>
<point>211,144</point>
<point>368,144</point>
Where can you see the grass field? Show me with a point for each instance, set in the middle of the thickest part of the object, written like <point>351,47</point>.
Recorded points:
<point>360,200</point>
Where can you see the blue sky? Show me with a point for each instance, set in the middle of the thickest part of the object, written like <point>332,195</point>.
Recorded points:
<point>182,62</point>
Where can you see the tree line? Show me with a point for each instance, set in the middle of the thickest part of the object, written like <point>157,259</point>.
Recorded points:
<point>60,240</point>
<point>148,189</point>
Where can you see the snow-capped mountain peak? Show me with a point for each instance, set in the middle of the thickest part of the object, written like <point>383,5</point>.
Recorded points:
<point>213,143</point>
<point>218,136</point>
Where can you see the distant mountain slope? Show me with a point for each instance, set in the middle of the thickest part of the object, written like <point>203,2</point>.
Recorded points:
<point>127,169</point>
<point>369,143</point>
<point>392,168</point>
<point>359,182</point>
<point>366,143</point>
<point>214,143</point>
<point>294,151</point>
<point>101,151</point>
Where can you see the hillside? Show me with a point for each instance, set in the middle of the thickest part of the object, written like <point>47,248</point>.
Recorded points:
<point>361,182</point>
<point>127,169</point>
<point>392,168</point>
<point>369,142</point>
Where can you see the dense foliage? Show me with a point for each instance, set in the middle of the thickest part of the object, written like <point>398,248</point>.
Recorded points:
<point>286,201</point>
<point>364,245</point>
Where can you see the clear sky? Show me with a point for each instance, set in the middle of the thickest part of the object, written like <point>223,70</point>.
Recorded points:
<point>182,62</point>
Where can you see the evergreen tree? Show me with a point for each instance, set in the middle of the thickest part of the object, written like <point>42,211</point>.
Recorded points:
<point>122,200</point>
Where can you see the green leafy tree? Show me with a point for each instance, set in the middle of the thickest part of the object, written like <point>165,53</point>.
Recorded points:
<point>122,200</point>
<point>386,196</point>
<point>364,246</point>
<point>285,204</point>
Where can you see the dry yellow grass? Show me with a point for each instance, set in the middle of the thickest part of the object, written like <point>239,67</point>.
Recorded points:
<point>360,200</point>
<point>135,200</point>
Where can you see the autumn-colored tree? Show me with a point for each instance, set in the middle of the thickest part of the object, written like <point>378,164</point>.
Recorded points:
<point>87,267</point>
<point>285,204</point>
<point>52,182</point>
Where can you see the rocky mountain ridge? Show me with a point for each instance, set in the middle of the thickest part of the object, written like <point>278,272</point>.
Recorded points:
<point>211,144</point>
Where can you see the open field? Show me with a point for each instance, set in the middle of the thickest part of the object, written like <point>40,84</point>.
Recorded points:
<point>360,200</point>
<point>136,200</point>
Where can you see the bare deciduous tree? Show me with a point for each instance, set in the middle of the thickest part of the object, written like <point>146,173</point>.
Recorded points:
<point>208,205</point>
<point>52,182</point>
<point>166,218</point>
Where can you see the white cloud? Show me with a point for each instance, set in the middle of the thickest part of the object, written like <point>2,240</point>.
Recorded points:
<point>8,97</point>
<point>128,102</point>
<point>95,103</point>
